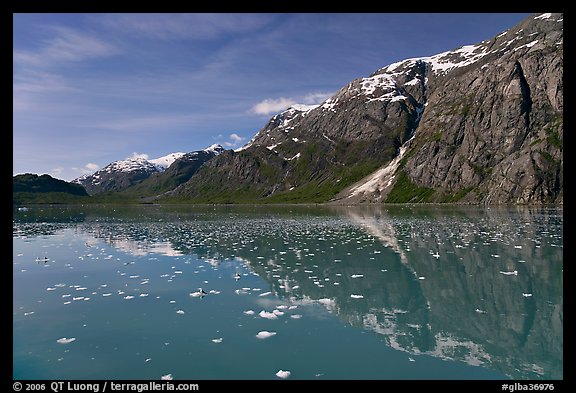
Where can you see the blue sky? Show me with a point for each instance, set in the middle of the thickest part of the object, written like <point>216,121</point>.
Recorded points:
<point>89,89</point>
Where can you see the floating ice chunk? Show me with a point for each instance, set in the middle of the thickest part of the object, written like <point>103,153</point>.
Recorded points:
<point>67,302</point>
<point>281,307</point>
<point>410,359</point>
<point>268,315</point>
<point>172,301</point>
<point>180,312</point>
<point>283,374</point>
<point>277,313</point>
<point>526,294</point>
<point>495,255</point>
<point>128,297</point>
<point>78,298</point>
<point>296,316</point>
<point>292,307</point>
<point>481,311</point>
<point>143,294</point>
<point>50,289</point>
<point>147,360</point>
<point>357,276</point>
<point>65,340</point>
<point>249,312</point>
<point>265,294</point>
<point>356,296</point>
<point>217,340</point>
<point>167,377</point>
<point>421,278</point>
<point>28,313</point>
<point>327,302</point>
<point>214,292</point>
<point>265,334</point>
<point>81,288</point>
<point>517,246</point>
<point>60,285</point>
<point>515,273</point>
<point>106,294</point>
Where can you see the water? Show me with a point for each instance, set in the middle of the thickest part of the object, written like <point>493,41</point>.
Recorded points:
<point>400,292</point>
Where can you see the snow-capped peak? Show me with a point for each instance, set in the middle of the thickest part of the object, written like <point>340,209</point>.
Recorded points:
<point>215,148</point>
<point>304,107</point>
<point>164,162</point>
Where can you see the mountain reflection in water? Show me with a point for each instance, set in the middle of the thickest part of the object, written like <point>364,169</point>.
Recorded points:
<point>474,285</point>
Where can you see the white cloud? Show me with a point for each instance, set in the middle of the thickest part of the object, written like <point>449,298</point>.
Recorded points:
<point>92,167</point>
<point>135,156</point>
<point>66,45</point>
<point>236,138</point>
<point>88,169</point>
<point>185,26</point>
<point>275,105</point>
<point>316,98</point>
<point>57,171</point>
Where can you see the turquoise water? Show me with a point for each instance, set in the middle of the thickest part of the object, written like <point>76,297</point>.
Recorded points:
<point>396,292</point>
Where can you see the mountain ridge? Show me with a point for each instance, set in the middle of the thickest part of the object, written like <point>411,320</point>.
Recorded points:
<point>479,124</point>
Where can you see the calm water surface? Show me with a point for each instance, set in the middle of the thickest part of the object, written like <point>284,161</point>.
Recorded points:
<point>396,292</point>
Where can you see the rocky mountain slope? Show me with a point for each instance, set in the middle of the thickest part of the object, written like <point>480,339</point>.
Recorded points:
<point>479,124</point>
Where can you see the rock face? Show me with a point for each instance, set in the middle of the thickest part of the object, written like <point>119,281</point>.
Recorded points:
<point>479,124</point>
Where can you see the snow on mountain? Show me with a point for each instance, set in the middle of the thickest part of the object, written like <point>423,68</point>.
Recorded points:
<point>165,161</point>
<point>282,121</point>
<point>215,148</point>
<point>129,165</point>
<point>121,174</point>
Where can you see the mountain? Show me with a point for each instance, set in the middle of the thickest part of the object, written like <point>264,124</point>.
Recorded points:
<point>180,171</point>
<point>32,188</point>
<point>123,174</point>
<point>44,183</point>
<point>479,124</point>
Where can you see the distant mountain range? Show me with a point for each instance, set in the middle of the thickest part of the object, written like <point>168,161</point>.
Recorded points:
<point>29,187</point>
<point>478,124</point>
<point>121,175</point>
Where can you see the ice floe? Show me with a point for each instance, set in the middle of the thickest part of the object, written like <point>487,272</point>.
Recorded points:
<point>268,315</point>
<point>167,377</point>
<point>249,312</point>
<point>65,340</point>
<point>283,374</point>
<point>356,296</point>
<point>217,340</point>
<point>265,334</point>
